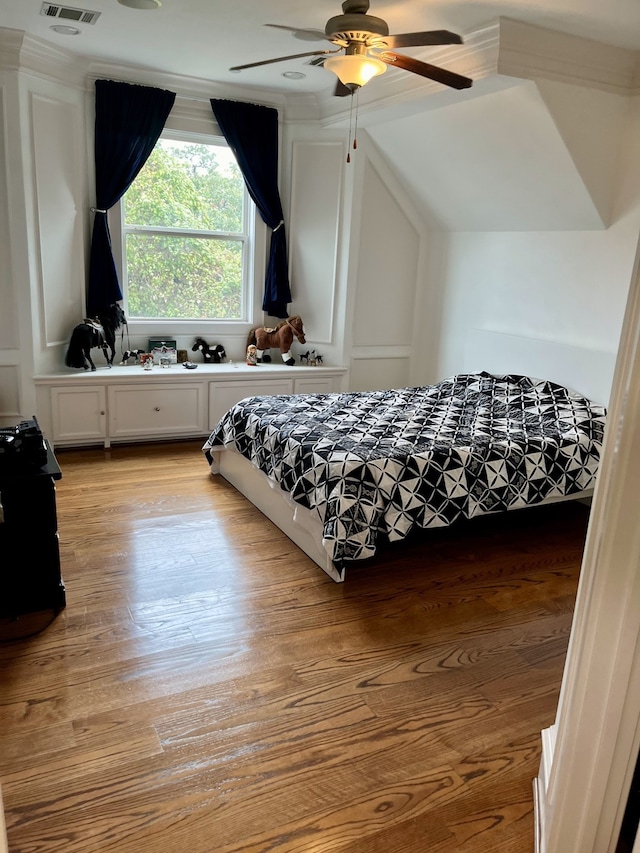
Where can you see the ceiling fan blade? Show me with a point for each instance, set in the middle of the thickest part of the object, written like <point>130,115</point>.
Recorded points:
<point>421,39</point>
<point>282,59</point>
<point>440,75</point>
<point>303,34</point>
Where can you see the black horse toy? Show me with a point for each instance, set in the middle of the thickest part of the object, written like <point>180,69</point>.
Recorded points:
<point>100,332</point>
<point>213,354</point>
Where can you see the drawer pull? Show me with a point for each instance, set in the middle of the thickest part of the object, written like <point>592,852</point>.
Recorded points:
<point>157,409</point>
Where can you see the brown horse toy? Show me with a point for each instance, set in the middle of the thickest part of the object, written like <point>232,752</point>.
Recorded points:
<point>281,337</point>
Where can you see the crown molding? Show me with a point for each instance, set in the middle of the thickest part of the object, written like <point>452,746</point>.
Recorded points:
<point>22,52</point>
<point>507,49</point>
<point>190,88</point>
<point>532,52</point>
<point>503,50</point>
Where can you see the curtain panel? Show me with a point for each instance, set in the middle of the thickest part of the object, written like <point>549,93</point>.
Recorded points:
<point>251,132</point>
<point>129,120</point>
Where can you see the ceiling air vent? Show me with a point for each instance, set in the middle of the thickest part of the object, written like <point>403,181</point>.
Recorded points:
<point>68,13</point>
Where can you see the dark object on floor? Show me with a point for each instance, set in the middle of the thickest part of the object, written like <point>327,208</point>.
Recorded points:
<point>29,528</point>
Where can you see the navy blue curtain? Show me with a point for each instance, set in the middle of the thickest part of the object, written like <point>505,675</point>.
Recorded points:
<point>251,132</point>
<point>129,120</point>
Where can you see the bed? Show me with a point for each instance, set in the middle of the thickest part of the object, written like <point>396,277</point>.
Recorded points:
<point>342,473</point>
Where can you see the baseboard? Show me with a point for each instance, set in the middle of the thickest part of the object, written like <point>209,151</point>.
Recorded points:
<point>537,818</point>
<point>541,786</point>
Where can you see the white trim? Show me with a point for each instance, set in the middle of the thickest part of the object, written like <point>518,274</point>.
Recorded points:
<point>597,731</point>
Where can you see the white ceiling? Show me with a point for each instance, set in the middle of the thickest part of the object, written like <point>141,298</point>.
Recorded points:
<point>203,38</point>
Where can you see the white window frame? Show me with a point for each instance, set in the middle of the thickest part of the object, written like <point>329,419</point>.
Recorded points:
<point>254,264</point>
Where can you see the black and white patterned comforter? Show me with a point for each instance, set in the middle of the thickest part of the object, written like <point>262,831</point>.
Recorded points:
<point>378,464</point>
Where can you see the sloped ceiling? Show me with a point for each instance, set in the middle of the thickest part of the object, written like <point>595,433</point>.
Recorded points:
<point>528,157</point>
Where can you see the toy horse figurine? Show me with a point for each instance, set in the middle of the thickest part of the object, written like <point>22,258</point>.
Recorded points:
<point>100,332</point>
<point>111,320</point>
<point>212,354</point>
<point>280,337</point>
<point>84,337</point>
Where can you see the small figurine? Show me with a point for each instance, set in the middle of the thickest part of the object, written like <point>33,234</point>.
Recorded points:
<point>146,359</point>
<point>131,353</point>
<point>211,354</point>
<point>252,355</point>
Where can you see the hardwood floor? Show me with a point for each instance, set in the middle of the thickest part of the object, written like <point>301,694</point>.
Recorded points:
<point>209,689</point>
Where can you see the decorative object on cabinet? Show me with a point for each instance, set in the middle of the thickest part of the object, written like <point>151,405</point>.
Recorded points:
<point>163,352</point>
<point>211,353</point>
<point>312,358</point>
<point>135,354</point>
<point>98,332</point>
<point>84,338</point>
<point>113,319</point>
<point>280,337</point>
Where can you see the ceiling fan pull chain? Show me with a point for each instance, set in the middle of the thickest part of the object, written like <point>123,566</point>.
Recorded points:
<point>355,131</point>
<point>350,125</point>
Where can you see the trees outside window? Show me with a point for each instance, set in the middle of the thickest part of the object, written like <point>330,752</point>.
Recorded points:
<point>185,236</point>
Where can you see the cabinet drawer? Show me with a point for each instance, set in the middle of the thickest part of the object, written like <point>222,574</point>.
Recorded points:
<point>78,414</point>
<point>223,395</point>
<point>313,385</point>
<point>161,410</point>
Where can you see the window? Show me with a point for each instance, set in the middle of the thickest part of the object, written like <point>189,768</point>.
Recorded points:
<point>186,235</point>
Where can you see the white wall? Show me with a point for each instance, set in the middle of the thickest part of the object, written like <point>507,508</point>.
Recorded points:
<point>565,286</point>
<point>43,222</point>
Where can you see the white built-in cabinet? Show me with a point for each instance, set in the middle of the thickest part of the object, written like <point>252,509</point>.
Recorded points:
<point>127,403</point>
<point>78,412</point>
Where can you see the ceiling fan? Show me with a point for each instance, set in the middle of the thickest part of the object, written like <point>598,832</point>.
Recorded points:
<point>364,49</point>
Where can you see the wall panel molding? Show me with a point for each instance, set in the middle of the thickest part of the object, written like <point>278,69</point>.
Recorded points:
<point>59,205</point>
<point>314,227</point>
<point>9,337</point>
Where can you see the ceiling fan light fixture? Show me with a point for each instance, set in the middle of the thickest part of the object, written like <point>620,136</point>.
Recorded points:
<point>354,70</point>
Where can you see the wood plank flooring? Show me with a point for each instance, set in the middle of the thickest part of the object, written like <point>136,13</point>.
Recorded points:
<point>209,689</point>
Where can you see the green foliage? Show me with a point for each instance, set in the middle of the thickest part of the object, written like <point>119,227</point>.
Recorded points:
<point>180,276</point>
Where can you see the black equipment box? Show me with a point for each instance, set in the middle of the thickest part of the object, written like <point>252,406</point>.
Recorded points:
<point>22,447</point>
<point>30,578</point>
